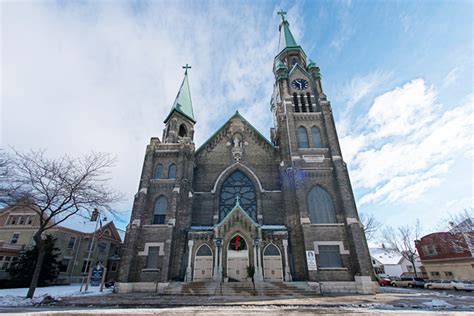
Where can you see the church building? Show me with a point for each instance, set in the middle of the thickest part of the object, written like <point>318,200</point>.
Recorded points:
<point>283,209</point>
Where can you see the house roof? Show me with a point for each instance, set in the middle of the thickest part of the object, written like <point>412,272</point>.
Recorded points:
<point>385,256</point>
<point>86,226</point>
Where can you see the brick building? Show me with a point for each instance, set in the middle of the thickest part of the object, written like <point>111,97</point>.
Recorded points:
<point>240,200</point>
<point>18,224</point>
<point>447,255</point>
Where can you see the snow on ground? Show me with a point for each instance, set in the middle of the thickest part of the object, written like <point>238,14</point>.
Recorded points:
<point>438,303</point>
<point>16,297</point>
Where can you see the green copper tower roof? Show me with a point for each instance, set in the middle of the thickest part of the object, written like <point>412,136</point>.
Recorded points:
<point>183,103</point>
<point>286,38</point>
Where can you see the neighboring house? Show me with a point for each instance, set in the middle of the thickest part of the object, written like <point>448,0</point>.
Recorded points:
<point>388,262</point>
<point>447,255</point>
<point>73,238</point>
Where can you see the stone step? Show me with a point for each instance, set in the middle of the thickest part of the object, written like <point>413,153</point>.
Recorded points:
<point>240,289</point>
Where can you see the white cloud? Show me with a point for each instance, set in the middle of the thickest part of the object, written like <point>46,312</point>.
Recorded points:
<point>407,143</point>
<point>82,76</point>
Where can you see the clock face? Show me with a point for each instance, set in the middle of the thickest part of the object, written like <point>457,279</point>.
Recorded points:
<point>299,84</point>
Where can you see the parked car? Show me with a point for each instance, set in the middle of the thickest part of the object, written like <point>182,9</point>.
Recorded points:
<point>409,282</point>
<point>450,285</point>
<point>385,282</point>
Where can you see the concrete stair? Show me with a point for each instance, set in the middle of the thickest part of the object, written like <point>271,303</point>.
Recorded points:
<point>291,289</point>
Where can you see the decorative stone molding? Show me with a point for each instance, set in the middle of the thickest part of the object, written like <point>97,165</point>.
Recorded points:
<point>161,246</point>
<point>342,251</point>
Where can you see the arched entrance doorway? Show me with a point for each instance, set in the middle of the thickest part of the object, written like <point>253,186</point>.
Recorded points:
<point>203,264</point>
<point>237,258</point>
<point>272,265</point>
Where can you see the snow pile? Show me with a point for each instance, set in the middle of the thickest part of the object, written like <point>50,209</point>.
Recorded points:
<point>16,297</point>
<point>438,303</point>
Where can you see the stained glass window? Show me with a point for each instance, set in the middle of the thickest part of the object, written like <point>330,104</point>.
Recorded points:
<point>271,250</point>
<point>172,171</point>
<point>316,137</point>
<point>158,171</point>
<point>321,206</point>
<point>159,214</point>
<point>302,138</point>
<point>204,250</point>
<point>238,185</point>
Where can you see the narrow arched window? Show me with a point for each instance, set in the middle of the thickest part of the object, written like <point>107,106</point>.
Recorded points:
<point>182,131</point>
<point>172,171</point>
<point>159,213</point>
<point>321,206</point>
<point>295,101</point>
<point>310,105</point>
<point>302,138</point>
<point>158,172</point>
<point>303,104</point>
<point>316,136</point>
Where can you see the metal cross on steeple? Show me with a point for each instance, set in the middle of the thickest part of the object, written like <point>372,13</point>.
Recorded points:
<point>186,67</point>
<point>282,13</point>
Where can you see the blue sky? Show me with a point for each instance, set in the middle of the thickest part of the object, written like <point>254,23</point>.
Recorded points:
<point>82,76</point>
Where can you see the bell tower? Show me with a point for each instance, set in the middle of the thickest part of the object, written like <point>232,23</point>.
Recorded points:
<point>179,124</point>
<point>318,198</point>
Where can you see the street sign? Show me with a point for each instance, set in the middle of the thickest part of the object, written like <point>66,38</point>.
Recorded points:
<point>311,260</point>
<point>96,277</point>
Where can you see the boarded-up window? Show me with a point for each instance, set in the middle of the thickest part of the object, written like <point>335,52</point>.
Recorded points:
<point>152,261</point>
<point>321,206</point>
<point>329,256</point>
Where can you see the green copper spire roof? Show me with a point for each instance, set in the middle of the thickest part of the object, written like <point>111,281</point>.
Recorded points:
<point>286,38</point>
<point>183,103</point>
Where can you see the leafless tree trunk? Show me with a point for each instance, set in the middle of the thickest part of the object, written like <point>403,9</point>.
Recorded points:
<point>57,189</point>
<point>402,240</point>
<point>371,225</point>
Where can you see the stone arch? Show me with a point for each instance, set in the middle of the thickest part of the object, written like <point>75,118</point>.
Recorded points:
<point>183,131</point>
<point>229,170</point>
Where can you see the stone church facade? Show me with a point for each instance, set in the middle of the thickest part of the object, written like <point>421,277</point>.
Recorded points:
<point>240,201</point>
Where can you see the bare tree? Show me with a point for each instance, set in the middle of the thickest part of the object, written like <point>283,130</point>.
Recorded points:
<point>371,225</point>
<point>402,240</point>
<point>462,222</point>
<point>57,189</point>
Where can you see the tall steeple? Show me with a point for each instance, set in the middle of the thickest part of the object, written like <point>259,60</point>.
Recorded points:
<point>180,121</point>
<point>183,103</point>
<point>286,37</point>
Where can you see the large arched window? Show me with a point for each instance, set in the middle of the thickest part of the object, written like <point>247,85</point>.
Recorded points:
<point>238,186</point>
<point>321,206</point>
<point>302,138</point>
<point>172,171</point>
<point>158,172</point>
<point>316,136</point>
<point>159,214</point>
